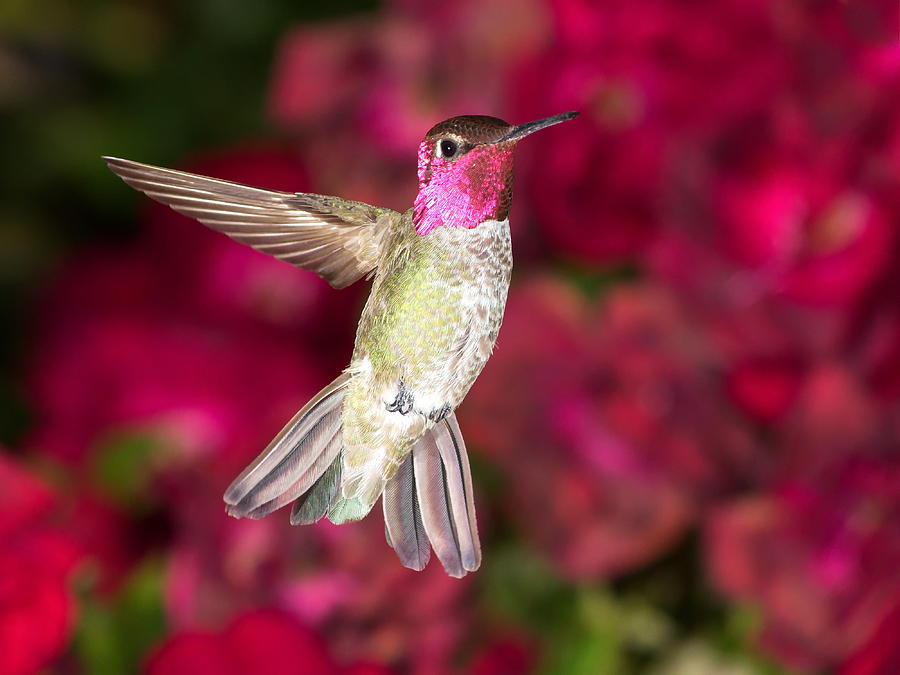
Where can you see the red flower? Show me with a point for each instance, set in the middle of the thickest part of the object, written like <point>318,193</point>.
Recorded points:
<point>180,382</point>
<point>594,193</point>
<point>880,654</point>
<point>265,642</point>
<point>37,611</point>
<point>345,581</point>
<point>765,388</point>
<point>504,656</point>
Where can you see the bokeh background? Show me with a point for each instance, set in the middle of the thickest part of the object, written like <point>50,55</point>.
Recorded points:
<point>685,447</point>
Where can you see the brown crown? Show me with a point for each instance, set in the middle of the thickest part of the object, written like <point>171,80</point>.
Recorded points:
<point>472,128</point>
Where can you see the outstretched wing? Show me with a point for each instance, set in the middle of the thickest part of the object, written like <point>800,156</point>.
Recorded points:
<point>336,238</point>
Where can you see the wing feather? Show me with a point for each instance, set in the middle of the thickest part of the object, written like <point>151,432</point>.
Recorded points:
<point>336,238</point>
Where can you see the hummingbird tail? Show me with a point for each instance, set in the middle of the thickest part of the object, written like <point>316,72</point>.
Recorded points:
<point>301,463</point>
<point>430,499</point>
<point>428,502</point>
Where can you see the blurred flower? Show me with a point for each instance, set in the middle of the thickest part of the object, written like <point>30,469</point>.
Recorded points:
<point>504,656</point>
<point>765,387</point>
<point>880,654</point>
<point>819,556</point>
<point>637,71</point>
<point>606,423</point>
<point>111,541</point>
<point>390,74</point>
<point>594,193</point>
<point>802,239</point>
<point>182,383</point>
<point>672,55</point>
<point>37,610</point>
<point>361,94</point>
<point>210,353</point>
<point>263,641</point>
<point>343,580</point>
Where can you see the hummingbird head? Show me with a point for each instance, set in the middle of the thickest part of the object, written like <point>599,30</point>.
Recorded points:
<point>465,170</point>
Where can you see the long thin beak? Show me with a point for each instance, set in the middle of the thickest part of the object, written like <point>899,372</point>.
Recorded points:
<point>523,130</point>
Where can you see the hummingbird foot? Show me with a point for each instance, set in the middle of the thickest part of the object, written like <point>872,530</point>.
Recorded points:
<point>438,414</point>
<point>403,402</point>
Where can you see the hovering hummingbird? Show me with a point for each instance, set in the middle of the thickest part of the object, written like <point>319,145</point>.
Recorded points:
<point>386,425</point>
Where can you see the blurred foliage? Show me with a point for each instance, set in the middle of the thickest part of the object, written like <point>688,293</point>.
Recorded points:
<point>625,627</point>
<point>115,634</point>
<point>151,80</point>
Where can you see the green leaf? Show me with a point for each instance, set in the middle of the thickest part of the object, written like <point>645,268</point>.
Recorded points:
<point>121,466</point>
<point>114,636</point>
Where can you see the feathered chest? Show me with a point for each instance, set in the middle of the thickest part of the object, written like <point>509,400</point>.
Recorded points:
<point>436,305</point>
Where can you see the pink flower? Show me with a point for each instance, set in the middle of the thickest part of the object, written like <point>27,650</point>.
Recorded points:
<point>344,581</point>
<point>801,239</point>
<point>388,74</point>
<point>211,353</point>
<point>653,80</point>
<point>591,188</point>
<point>178,382</point>
<point>765,388</point>
<point>819,557</point>
<point>608,424</point>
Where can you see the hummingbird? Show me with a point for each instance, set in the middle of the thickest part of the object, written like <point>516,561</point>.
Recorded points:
<point>385,427</point>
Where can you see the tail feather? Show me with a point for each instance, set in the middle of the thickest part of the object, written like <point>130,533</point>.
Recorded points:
<point>428,500</point>
<point>312,506</point>
<point>297,456</point>
<point>432,491</point>
<point>278,497</point>
<point>458,485</point>
<point>404,530</point>
<point>346,509</point>
<point>431,487</point>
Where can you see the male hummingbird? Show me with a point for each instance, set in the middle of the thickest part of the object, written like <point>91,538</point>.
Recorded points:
<point>441,274</point>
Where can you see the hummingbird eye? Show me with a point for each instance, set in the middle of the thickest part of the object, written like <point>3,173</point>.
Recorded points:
<point>447,148</point>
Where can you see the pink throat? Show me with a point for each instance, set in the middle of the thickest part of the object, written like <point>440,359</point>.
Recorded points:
<point>464,192</point>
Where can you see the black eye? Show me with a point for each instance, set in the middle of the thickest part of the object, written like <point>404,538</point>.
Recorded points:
<point>447,148</point>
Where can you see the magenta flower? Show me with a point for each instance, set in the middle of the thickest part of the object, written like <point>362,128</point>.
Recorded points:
<point>617,415</point>
<point>799,238</point>
<point>818,556</point>
<point>879,655</point>
<point>341,580</point>
<point>208,354</point>
<point>37,558</point>
<point>263,641</point>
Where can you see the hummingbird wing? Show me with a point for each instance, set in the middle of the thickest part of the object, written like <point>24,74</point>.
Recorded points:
<point>338,239</point>
<point>312,506</point>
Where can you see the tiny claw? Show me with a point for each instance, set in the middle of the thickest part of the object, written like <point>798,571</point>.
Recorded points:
<point>438,414</point>
<point>403,402</point>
